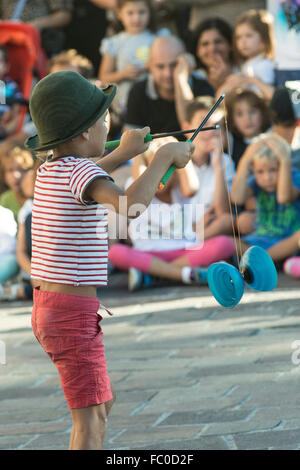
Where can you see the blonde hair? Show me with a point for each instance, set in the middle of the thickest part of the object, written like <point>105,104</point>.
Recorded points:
<point>22,156</point>
<point>71,58</point>
<point>260,21</point>
<point>265,153</point>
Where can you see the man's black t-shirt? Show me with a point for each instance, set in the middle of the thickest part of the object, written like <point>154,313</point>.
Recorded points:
<point>157,113</point>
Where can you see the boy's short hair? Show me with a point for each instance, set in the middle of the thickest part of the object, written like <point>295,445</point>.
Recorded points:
<point>202,103</point>
<point>265,153</point>
<point>73,59</point>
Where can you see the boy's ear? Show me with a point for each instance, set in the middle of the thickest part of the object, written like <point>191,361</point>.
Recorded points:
<point>86,135</point>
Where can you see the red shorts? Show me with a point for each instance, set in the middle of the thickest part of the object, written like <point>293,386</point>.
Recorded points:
<point>67,327</point>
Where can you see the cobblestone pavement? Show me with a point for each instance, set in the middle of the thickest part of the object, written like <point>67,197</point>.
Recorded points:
<point>189,374</point>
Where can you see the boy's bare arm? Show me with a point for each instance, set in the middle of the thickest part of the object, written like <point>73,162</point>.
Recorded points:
<point>286,192</point>
<point>131,144</point>
<point>240,190</point>
<point>142,191</point>
<point>22,256</point>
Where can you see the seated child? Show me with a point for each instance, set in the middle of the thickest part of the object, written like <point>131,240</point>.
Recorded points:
<point>10,99</point>
<point>20,287</point>
<point>164,242</point>
<point>253,45</point>
<point>213,171</point>
<point>248,116</point>
<point>276,188</point>
<point>8,260</point>
<point>12,168</point>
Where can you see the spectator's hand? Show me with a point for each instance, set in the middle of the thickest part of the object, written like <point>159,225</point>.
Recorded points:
<point>216,155</point>
<point>237,80</point>
<point>279,147</point>
<point>185,63</point>
<point>132,72</point>
<point>182,69</point>
<point>218,69</point>
<point>251,151</point>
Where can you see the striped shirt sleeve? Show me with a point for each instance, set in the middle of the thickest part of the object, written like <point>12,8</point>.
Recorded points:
<point>82,175</point>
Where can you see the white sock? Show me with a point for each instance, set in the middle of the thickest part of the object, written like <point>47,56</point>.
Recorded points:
<point>186,275</point>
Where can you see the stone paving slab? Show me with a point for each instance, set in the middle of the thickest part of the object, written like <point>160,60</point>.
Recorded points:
<point>189,374</point>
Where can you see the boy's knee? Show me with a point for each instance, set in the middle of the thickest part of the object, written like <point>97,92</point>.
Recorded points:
<point>114,395</point>
<point>109,404</point>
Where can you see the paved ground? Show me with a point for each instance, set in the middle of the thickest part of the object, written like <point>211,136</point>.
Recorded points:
<point>188,373</point>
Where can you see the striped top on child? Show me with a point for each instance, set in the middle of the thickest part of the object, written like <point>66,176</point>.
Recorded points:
<point>69,234</point>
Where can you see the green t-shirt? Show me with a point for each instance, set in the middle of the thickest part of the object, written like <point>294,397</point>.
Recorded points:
<point>8,199</point>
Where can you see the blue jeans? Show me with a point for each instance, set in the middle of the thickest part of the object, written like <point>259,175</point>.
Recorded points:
<point>8,267</point>
<point>282,76</point>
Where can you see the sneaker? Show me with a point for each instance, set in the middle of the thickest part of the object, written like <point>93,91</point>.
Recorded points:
<point>292,267</point>
<point>135,279</point>
<point>199,276</point>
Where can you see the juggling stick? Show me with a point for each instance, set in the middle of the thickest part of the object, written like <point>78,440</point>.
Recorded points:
<point>115,143</point>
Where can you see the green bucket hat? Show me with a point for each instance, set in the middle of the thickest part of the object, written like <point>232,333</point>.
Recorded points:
<point>63,105</point>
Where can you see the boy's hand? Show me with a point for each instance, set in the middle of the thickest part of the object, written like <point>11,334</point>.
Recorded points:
<point>279,147</point>
<point>251,151</point>
<point>179,152</point>
<point>218,68</point>
<point>132,142</point>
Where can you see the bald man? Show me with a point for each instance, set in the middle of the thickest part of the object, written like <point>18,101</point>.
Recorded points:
<point>154,101</point>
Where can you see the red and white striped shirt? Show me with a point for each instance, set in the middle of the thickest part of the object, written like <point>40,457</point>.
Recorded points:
<point>69,234</point>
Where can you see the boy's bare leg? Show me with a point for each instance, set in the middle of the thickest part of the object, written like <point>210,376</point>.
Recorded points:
<point>89,425</point>
<point>285,248</point>
<point>165,270</point>
<point>245,222</point>
<point>220,226</point>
